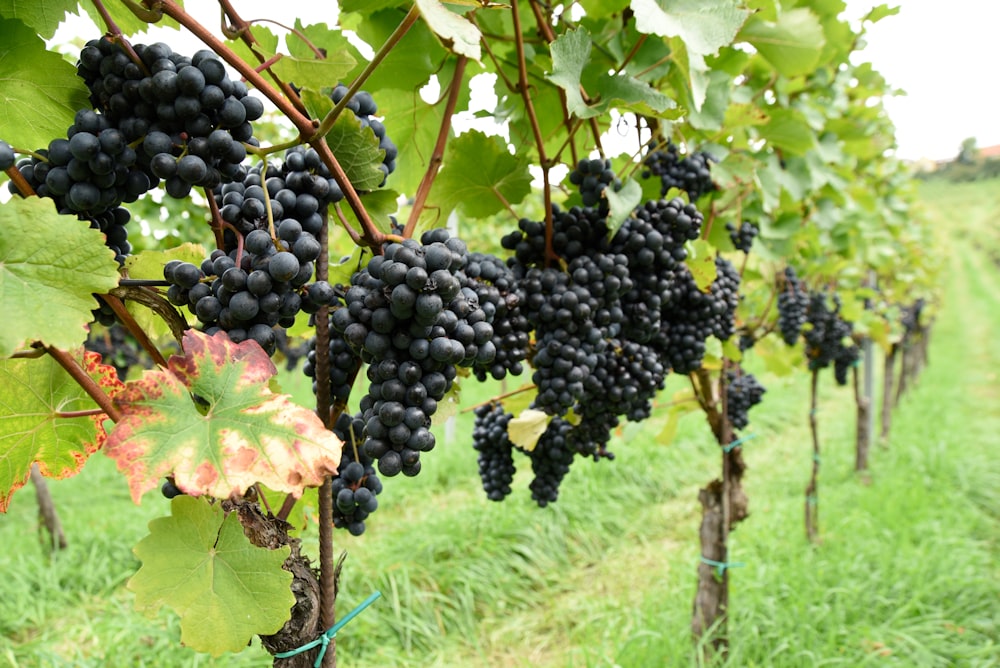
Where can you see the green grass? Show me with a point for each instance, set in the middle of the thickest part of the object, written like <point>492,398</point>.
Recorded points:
<point>908,572</point>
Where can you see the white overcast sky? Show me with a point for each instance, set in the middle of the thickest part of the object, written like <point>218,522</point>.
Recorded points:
<point>944,55</point>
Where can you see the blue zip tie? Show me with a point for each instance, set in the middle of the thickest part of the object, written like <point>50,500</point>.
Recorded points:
<point>329,634</point>
<point>720,566</point>
<point>816,458</point>
<point>739,441</point>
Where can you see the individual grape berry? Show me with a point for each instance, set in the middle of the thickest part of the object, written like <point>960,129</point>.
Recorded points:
<point>7,157</point>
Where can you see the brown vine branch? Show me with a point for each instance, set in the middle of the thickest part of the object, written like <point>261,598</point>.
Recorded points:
<point>523,89</point>
<point>812,491</point>
<point>454,88</point>
<point>117,36</point>
<point>155,302</point>
<point>138,332</point>
<point>89,412</point>
<point>88,384</point>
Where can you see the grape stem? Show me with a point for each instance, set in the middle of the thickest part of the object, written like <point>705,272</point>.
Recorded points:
<point>529,107</point>
<point>19,182</point>
<point>550,37</point>
<point>437,156</point>
<point>501,397</point>
<point>117,36</point>
<point>88,384</point>
<point>216,223</point>
<point>89,412</point>
<point>138,332</point>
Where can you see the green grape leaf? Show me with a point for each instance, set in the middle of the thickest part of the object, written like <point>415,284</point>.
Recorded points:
<point>880,12</point>
<point>380,204</point>
<point>210,420</point>
<point>793,44</point>
<point>701,263</point>
<point>314,72</point>
<point>366,6</point>
<point>622,203</point>
<point>32,392</point>
<point>788,130</point>
<point>408,66</point>
<point>357,151</point>
<point>570,55</point>
<point>525,429</point>
<point>704,25</point>
<point>225,589</point>
<point>50,266</point>
<point>456,32</point>
<point>479,175</point>
<point>42,16</point>
<point>35,109</point>
<point>414,128</point>
<point>267,44</point>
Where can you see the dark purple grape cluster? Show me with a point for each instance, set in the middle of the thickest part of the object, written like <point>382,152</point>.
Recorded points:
<point>345,364</point>
<point>190,119</point>
<point>691,173</point>
<point>409,317</point>
<point>250,290</point>
<point>298,189</point>
<point>828,338</point>
<point>653,240</point>
<point>496,287</point>
<point>550,461</point>
<point>90,172</point>
<point>742,236</point>
<point>496,452</point>
<point>743,392</point>
<point>365,109</point>
<point>695,315</point>
<point>118,348</point>
<point>793,305</point>
<point>593,177</point>
<point>356,485</point>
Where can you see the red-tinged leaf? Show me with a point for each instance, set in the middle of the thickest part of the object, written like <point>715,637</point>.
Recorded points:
<point>32,393</point>
<point>212,422</point>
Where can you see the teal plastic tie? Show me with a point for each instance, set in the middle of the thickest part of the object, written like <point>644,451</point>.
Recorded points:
<point>721,566</point>
<point>739,441</point>
<point>816,458</point>
<point>329,634</point>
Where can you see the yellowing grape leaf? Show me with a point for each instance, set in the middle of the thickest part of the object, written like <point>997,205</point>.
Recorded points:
<point>50,266</point>
<point>456,32</point>
<point>225,589</point>
<point>525,430</point>
<point>210,420</point>
<point>32,392</point>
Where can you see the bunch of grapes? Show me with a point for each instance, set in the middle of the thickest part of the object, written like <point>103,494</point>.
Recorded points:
<point>496,288</point>
<point>407,315</point>
<point>743,392</point>
<point>793,305</point>
<point>190,119</point>
<point>550,461</point>
<point>695,315</point>
<point>690,174</point>
<point>828,339</point>
<point>742,236</point>
<point>250,290</point>
<point>117,347</point>
<point>593,177</point>
<point>496,452</point>
<point>356,485</point>
<point>652,240</point>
